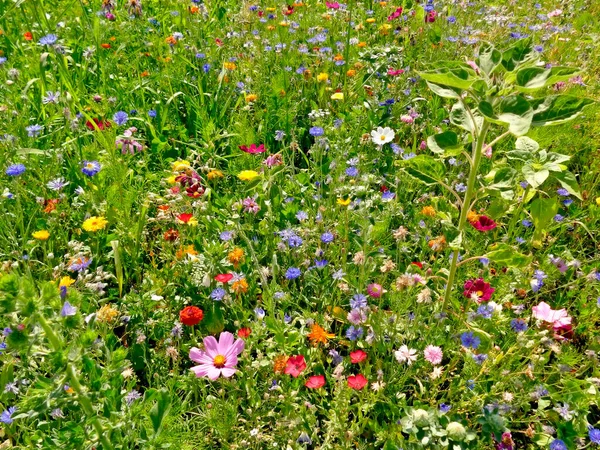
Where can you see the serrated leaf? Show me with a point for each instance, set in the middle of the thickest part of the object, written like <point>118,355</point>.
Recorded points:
<point>556,109</point>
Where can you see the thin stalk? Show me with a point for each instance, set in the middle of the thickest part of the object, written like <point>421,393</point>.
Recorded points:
<point>477,151</point>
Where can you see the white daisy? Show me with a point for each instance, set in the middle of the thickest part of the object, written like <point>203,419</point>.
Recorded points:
<point>382,136</point>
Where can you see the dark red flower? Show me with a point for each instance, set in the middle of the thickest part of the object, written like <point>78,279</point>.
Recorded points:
<point>224,277</point>
<point>430,17</point>
<point>357,382</point>
<point>478,289</point>
<point>315,382</point>
<point>171,235</point>
<point>244,332</point>
<point>101,124</point>
<point>253,149</point>
<point>357,356</point>
<point>195,190</point>
<point>191,315</point>
<point>484,223</point>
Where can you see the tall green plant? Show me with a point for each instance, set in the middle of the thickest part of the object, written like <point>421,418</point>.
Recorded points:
<point>495,92</point>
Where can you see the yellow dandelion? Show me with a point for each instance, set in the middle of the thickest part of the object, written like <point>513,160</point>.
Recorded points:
<point>247,175</point>
<point>251,98</point>
<point>342,202</point>
<point>66,281</point>
<point>337,96</point>
<point>322,77</point>
<point>214,174</point>
<point>41,235</point>
<point>180,165</point>
<point>95,224</point>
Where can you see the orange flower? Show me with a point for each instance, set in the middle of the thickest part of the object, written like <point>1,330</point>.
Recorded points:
<point>472,216</point>
<point>50,205</point>
<point>438,244</point>
<point>351,73</point>
<point>171,40</point>
<point>319,335</point>
<point>105,45</point>
<point>428,211</point>
<point>28,36</point>
<point>186,250</point>
<point>240,286</point>
<point>236,256</point>
<point>279,364</point>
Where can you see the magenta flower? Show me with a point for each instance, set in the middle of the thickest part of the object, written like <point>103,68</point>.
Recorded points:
<point>433,354</point>
<point>218,358</point>
<point>375,290</point>
<point>484,223</point>
<point>478,290</point>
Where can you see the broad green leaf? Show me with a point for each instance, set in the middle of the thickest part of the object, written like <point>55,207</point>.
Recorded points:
<point>425,169</point>
<point>568,181</point>
<point>443,91</point>
<point>526,144</point>
<point>530,79</point>
<point>497,208</point>
<point>505,255</point>
<point>445,142</point>
<point>160,410</point>
<point>489,58</point>
<point>461,118</point>
<point>502,178</point>
<point>535,177</point>
<point>513,110</point>
<point>542,212</point>
<point>454,75</point>
<point>556,109</point>
<point>521,52</point>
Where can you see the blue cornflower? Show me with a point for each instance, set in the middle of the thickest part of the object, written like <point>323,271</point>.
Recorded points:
<point>387,196</point>
<point>218,294</point>
<point>524,184</point>
<point>316,131</point>
<point>518,325</point>
<point>15,170</point>
<point>3,59</point>
<point>460,187</point>
<point>480,359</point>
<point>444,408</point>
<point>485,311</point>
<point>6,416</point>
<point>337,359</point>
<point>49,39</point>
<point>320,263</point>
<point>519,240</point>
<point>358,301</point>
<point>562,192</point>
<point>557,444</point>
<point>57,184</point>
<point>80,264</point>
<point>2,347</point>
<point>120,118</point>
<point>327,237</point>
<point>567,201</point>
<point>206,68</point>
<point>526,223</point>
<point>34,130</point>
<point>354,333</point>
<point>91,168</point>
<point>152,113</point>
<point>469,340</point>
<point>68,310</point>
<point>292,273</point>
<point>301,215</point>
<point>451,19</point>
<point>294,241</point>
<point>484,261</point>
<point>352,172</point>
<point>260,313</point>
<point>559,218</point>
<point>396,148</point>
<point>538,48</point>
<point>226,235</point>
<point>337,123</point>
<point>594,435</point>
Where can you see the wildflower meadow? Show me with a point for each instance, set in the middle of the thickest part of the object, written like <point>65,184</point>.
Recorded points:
<point>232,224</point>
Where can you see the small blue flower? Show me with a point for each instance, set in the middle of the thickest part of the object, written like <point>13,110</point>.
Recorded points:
<point>14,170</point>
<point>558,218</point>
<point>152,113</point>
<point>480,359</point>
<point>557,444</point>
<point>594,435</point>
<point>226,235</point>
<point>6,416</point>
<point>34,130</point>
<point>562,192</point>
<point>218,294</point>
<point>526,223</point>
<point>292,273</point>
<point>68,310</point>
<point>260,313</point>
<point>91,168</point>
<point>120,118</point>
<point>354,333</point>
<point>485,311</point>
<point>301,215</point>
<point>316,131</point>
<point>327,237</point>
<point>49,39</point>
<point>444,408</point>
<point>518,325</point>
<point>352,172</point>
<point>469,340</point>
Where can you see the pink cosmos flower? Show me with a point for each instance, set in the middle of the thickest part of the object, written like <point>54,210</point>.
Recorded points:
<point>218,358</point>
<point>478,290</point>
<point>393,72</point>
<point>253,149</point>
<point>433,354</point>
<point>332,5</point>
<point>484,223</point>
<point>395,14</point>
<point>560,320</point>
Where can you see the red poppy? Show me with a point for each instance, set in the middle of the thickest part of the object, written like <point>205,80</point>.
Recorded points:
<point>295,365</point>
<point>357,382</point>
<point>315,382</point>
<point>185,217</point>
<point>253,149</point>
<point>244,332</point>
<point>357,356</point>
<point>224,277</point>
<point>479,289</point>
<point>101,124</point>
<point>28,36</point>
<point>418,264</point>
<point>484,223</point>
<point>191,315</point>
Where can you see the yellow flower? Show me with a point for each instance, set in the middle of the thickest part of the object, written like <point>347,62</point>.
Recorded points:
<point>251,98</point>
<point>107,313</point>
<point>66,281</point>
<point>337,96</point>
<point>41,235</point>
<point>95,224</point>
<point>247,175</point>
<point>284,24</point>
<point>343,202</point>
<point>171,179</point>
<point>180,165</point>
<point>472,216</point>
<point>370,20</point>
<point>229,65</point>
<point>428,211</point>
<point>322,77</point>
<point>598,201</point>
<point>213,174</point>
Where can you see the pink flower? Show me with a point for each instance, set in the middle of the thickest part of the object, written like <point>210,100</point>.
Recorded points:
<point>560,320</point>
<point>395,14</point>
<point>357,382</point>
<point>218,358</point>
<point>357,316</point>
<point>332,5</point>
<point>478,289</point>
<point>484,223</point>
<point>433,354</point>
<point>253,149</point>
<point>392,72</point>
<point>375,290</point>
<point>315,382</point>
<point>357,356</point>
<point>295,365</point>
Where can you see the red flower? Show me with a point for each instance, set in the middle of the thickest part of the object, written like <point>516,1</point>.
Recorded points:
<point>315,382</point>
<point>484,223</point>
<point>184,217</point>
<point>430,17</point>
<point>253,148</point>
<point>224,277</point>
<point>191,315</point>
<point>288,11</point>
<point>101,124</point>
<point>195,190</point>
<point>171,235</point>
<point>28,36</point>
<point>479,289</point>
<point>357,381</point>
<point>244,332</point>
<point>418,264</point>
<point>357,356</point>
<point>295,365</point>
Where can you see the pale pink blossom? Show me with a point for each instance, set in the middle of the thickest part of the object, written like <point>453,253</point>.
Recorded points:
<point>217,358</point>
<point>433,354</point>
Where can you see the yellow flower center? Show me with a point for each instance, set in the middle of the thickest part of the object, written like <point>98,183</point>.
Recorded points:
<point>219,361</point>
<point>382,137</point>
<point>479,293</point>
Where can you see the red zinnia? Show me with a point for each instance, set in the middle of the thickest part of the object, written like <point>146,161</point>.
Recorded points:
<point>191,315</point>
<point>295,365</point>
<point>484,223</point>
<point>357,356</point>
<point>253,148</point>
<point>479,289</point>
<point>315,382</point>
<point>244,332</point>
<point>224,277</point>
<point>357,381</point>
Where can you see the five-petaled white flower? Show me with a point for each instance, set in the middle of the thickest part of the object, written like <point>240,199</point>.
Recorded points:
<point>405,354</point>
<point>382,136</point>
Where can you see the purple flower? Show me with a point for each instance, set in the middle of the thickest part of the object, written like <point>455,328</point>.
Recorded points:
<point>6,416</point>
<point>316,131</point>
<point>292,273</point>
<point>49,39</point>
<point>354,333</point>
<point>80,264</point>
<point>91,168</point>
<point>120,117</point>
<point>469,340</point>
<point>15,170</point>
<point>68,310</point>
<point>327,237</point>
<point>358,301</point>
<point>594,435</point>
<point>557,444</point>
<point>444,408</point>
<point>218,294</point>
<point>518,325</point>
<point>34,130</point>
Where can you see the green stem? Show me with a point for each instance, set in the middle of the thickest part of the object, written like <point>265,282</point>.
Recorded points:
<point>476,157</point>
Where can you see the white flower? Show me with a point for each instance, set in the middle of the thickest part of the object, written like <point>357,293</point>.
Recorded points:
<point>382,136</point>
<point>405,354</point>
